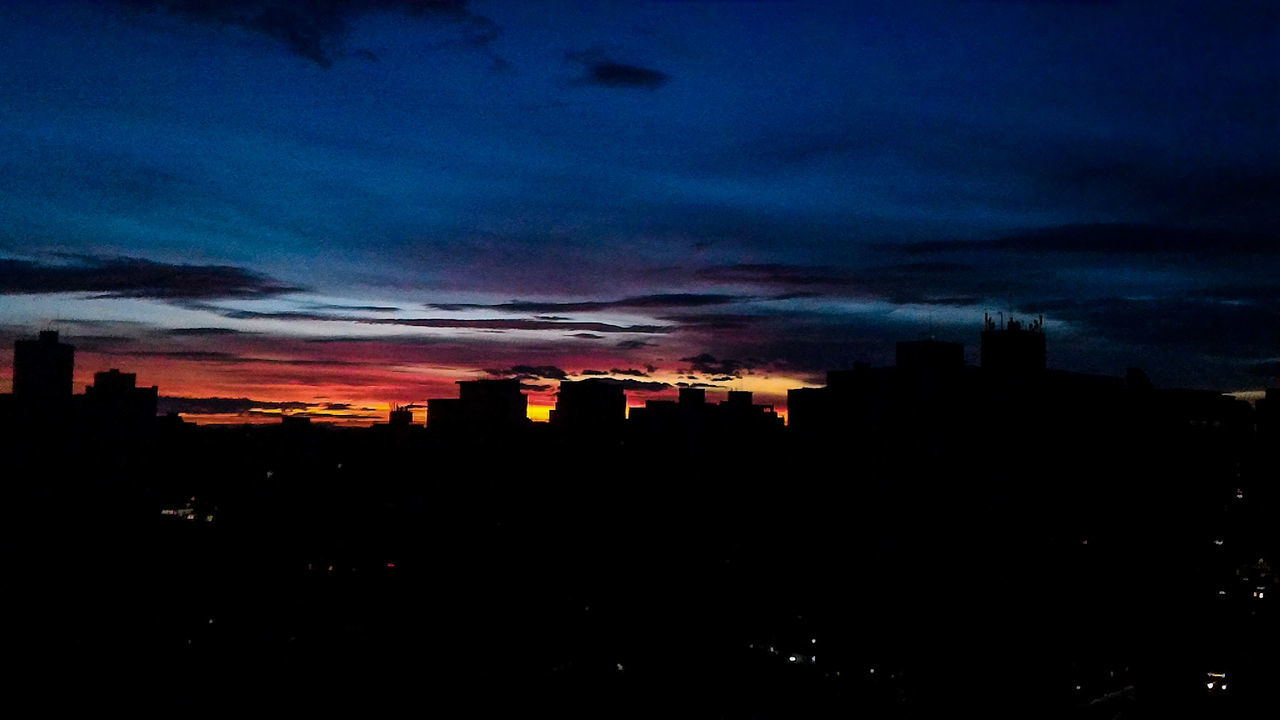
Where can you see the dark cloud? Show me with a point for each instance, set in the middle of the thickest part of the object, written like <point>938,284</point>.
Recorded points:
<point>938,283</point>
<point>1176,325</point>
<point>634,344</point>
<point>482,324</point>
<point>530,372</point>
<point>317,29</point>
<point>707,364</point>
<point>587,336</point>
<point>641,302</point>
<point>215,356</point>
<point>99,343</point>
<point>1242,293</point>
<point>633,385</point>
<point>135,278</point>
<point>959,301</point>
<point>351,308</point>
<point>777,274</point>
<point>601,71</point>
<point>1244,197</point>
<point>201,331</point>
<point>221,406</point>
<point>712,321</point>
<point>1269,370</point>
<point>1119,239</point>
<point>518,325</point>
<point>630,371</point>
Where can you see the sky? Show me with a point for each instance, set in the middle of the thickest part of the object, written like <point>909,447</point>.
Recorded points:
<point>267,206</point>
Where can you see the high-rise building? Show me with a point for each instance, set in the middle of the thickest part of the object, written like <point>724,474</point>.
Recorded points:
<point>43,368</point>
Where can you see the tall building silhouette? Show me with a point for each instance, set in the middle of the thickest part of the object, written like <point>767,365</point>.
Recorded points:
<point>43,368</point>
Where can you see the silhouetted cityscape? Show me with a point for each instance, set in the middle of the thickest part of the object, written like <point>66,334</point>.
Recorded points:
<point>1023,540</point>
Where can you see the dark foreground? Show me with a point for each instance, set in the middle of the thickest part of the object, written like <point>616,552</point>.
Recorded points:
<point>852,580</point>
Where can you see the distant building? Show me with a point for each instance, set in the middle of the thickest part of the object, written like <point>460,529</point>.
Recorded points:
<point>738,417</point>
<point>692,397</point>
<point>483,407</point>
<point>1013,347</point>
<point>596,405</point>
<point>444,414</point>
<point>43,368</point>
<point>400,416</point>
<point>692,425</point>
<point>493,403</point>
<point>114,397</point>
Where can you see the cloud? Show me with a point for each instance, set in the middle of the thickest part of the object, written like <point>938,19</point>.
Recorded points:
<point>777,274</point>
<point>640,302</point>
<point>529,372</point>
<point>498,324</point>
<point>707,364</point>
<point>712,321</point>
<point>939,283</point>
<point>1269,369</point>
<point>1177,324</point>
<point>587,336</point>
<point>317,29</point>
<point>201,331</point>
<point>604,72</point>
<point>634,385</point>
<point>351,308</point>
<point>135,278</point>
<point>216,356</point>
<point>483,324</point>
<point>630,371</point>
<point>221,406</point>
<point>635,344</point>
<point>1118,239</point>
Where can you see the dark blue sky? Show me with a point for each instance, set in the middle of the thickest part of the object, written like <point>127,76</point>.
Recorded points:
<point>445,188</point>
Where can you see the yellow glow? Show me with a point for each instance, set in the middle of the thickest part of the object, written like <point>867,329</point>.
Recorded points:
<point>539,413</point>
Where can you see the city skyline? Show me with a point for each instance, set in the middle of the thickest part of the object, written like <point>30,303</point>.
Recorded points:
<point>333,207</point>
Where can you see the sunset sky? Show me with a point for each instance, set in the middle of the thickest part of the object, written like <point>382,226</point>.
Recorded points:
<point>326,207</point>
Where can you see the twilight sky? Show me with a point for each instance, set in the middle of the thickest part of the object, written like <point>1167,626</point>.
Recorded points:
<point>266,205</point>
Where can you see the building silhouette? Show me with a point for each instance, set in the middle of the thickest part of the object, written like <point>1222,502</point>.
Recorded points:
<point>43,368</point>
<point>482,410</point>
<point>400,416</point>
<point>114,399</point>
<point>691,425</point>
<point>596,406</point>
<point>1013,347</point>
